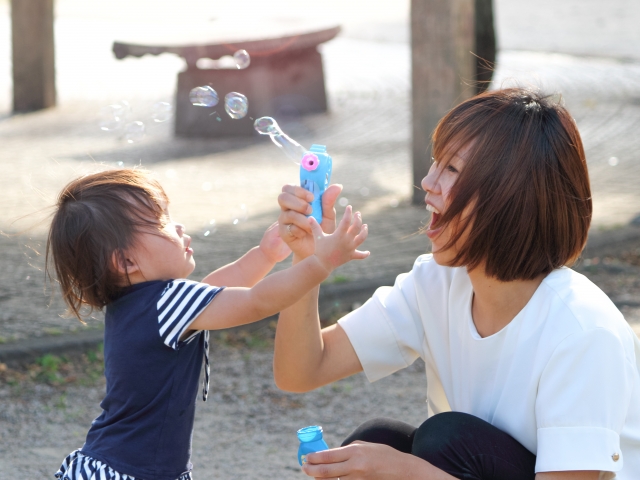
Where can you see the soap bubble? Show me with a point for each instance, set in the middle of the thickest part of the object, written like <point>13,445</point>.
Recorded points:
<point>206,186</point>
<point>120,164</point>
<point>111,117</point>
<point>236,105</point>
<point>134,131</point>
<point>239,215</point>
<point>242,59</point>
<point>211,229</point>
<point>364,191</point>
<point>613,161</point>
<point>161,112</point>
<point>343,202</point>
<point>170,173</point>
<point>393,203</point>
<point>203,96</point>
<point>291,148</point>
<point>267,126</point>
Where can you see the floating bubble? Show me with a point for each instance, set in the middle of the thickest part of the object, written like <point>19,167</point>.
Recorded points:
<point>206,186</point>
<point>267,126</point>
<point>240,215</point>
<point>343,202</point>
<point>213,228</point>
<point>236,105</point>
<point>364,191</point>
<point>161,112</point>
<point>112,117</point>
<point>242,59</point>
<point>120,164</point>
<point>170,173</point>
<point>393,203</point>
<point>291,148</point>
<point>613,161</point>
<point>203,96</point>
<point>134,131</point>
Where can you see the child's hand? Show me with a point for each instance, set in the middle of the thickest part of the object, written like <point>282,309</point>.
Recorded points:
<point>272,245</point>
<point>341,246</point>
<point>294,225</point>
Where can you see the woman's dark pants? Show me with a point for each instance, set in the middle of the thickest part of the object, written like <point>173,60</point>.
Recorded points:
<point>462,445</point>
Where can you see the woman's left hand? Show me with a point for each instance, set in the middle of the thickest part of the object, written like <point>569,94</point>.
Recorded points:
<point>363,460</point>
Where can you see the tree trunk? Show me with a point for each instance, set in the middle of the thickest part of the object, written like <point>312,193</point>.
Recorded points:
<point>443,71</point>
<point>485,44</point>
<point>33,55</point>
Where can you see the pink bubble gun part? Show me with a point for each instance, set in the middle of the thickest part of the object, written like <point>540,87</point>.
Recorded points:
<point>315,174</point>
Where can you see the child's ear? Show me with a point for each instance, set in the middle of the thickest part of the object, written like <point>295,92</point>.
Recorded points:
<point>123,263</point>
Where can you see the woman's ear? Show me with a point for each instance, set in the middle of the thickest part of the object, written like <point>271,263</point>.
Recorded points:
<point>123,263</point>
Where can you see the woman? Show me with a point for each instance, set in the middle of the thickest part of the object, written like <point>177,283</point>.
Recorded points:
<point>531,370</point>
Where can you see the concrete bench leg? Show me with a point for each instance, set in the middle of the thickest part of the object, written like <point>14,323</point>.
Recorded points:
<point>276,85</point>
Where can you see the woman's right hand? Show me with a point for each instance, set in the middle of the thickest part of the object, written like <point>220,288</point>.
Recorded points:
<point>294,227</point>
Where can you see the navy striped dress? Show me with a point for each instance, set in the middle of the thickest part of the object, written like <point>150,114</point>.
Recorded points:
<point>152,368</point>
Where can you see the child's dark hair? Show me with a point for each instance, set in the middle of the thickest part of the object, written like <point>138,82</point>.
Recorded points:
<point>525,181</point>
<point>96,219</point>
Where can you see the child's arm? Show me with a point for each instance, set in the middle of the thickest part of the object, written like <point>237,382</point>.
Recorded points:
<point>238,306</point>
<point>253,265</point>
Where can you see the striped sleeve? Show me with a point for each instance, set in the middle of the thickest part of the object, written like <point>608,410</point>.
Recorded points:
<point>179,305</point>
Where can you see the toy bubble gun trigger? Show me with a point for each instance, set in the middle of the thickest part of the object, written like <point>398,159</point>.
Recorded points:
<point>315,175</point>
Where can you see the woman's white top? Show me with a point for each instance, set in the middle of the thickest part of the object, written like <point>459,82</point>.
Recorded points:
<point>563,378</point>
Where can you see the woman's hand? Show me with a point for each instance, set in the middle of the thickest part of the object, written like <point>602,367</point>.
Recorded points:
<point>294,228</point>
<point>369,461</point>
<point>272,246</point>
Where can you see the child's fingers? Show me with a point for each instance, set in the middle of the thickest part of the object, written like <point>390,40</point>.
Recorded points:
<point>360,254</point>
<point>356,224</point>
<point>316,229</point>
<point>362,236</point>
<point>345,222</point>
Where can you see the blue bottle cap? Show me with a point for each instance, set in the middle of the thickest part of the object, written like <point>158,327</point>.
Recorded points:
<point>309,434</point>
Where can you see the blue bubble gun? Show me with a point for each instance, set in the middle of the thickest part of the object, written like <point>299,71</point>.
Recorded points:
<point>315,175</point>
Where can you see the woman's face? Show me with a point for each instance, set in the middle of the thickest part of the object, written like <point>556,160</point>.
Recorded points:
<point>438,184</point>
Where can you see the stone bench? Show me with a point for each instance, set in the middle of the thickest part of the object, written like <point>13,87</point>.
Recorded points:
<point>285,76</point>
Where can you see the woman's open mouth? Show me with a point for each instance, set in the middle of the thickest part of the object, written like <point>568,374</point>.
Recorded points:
<point>435,216</point>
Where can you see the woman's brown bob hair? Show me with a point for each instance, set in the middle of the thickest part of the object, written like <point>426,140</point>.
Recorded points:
<point>524,188</point>
<point>96,217</point>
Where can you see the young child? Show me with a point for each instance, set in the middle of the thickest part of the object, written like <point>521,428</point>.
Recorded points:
<point>114,245</point>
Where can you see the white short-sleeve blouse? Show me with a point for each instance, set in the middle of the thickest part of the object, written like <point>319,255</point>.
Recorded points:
<point>563,378</point>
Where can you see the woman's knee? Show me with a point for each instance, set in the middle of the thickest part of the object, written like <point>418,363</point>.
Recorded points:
<point>394,433</point>
<point>443,434</point>
<point>468,447</point>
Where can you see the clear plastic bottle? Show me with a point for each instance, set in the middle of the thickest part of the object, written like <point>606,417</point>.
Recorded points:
<point>310,441</point>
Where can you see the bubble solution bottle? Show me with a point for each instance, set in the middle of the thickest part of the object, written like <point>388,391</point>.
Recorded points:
<point>310,441</point>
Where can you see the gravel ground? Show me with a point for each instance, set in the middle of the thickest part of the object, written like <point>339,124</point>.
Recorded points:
<point>245,430</point>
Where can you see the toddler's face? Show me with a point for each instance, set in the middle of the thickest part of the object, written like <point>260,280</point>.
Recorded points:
<point>164,255</point>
